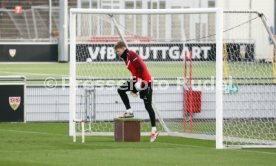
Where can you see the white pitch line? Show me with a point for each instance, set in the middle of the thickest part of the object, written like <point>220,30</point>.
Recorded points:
<point>32,132</point>
<point>34,74</point>
<point>259,152</point>
<point>27,63</point>
<point>240,150</point>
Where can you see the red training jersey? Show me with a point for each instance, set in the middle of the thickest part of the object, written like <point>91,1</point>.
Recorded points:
<point>137,67</point>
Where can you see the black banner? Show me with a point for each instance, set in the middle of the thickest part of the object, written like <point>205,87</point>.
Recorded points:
<point>28,53</point>
<point>166,52</point>
<point>11,103</point>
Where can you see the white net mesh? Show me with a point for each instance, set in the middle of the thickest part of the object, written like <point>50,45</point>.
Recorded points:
<point>97,62</point>
<point>249,109</point>
<point>179,51</point>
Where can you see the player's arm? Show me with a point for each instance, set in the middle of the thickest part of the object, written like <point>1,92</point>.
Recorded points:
<point>137,64</point>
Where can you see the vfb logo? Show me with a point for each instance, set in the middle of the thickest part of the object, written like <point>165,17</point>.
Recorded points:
<point>12,52</point>
<point>14,102</point>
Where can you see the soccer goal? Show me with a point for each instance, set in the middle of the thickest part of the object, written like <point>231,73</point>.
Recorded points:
<point>212,70</point>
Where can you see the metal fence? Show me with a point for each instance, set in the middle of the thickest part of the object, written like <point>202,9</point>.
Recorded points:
<point>43,104</point>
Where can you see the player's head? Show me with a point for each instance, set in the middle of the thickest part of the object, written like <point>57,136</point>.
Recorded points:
<point>120,47</point>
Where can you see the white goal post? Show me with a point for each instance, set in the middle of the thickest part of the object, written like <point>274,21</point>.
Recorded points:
<point>216,65</point>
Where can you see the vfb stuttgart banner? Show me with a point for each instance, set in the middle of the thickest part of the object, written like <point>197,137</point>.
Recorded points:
<point>166,52</point>
<point>12,103</point>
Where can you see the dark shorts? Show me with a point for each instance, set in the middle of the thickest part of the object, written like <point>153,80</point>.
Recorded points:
<point>145,93</point>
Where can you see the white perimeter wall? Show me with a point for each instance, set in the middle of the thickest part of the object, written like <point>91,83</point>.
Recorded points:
<point>251,101</point>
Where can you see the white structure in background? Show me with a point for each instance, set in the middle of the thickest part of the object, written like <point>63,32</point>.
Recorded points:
<point>267,9</point>
<point>193,29</point>
<point>164,32</point>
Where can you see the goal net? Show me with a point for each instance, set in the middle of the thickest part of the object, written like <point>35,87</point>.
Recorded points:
<point>249,89</point>
<point>211,80</point>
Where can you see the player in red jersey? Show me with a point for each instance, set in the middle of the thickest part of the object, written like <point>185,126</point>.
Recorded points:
<point>141,82</point>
